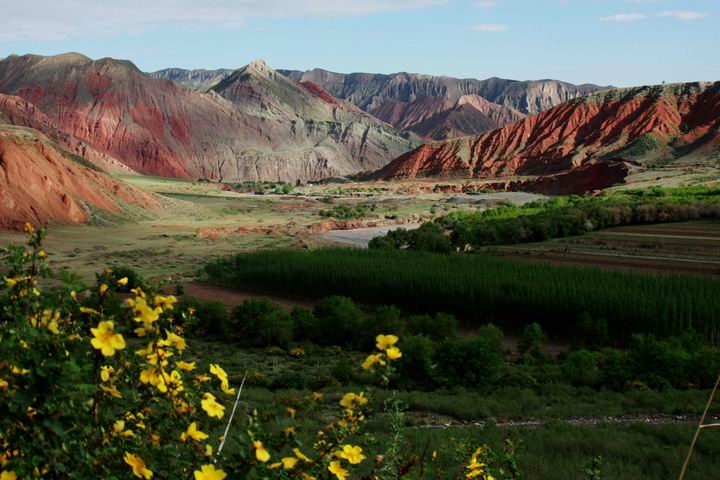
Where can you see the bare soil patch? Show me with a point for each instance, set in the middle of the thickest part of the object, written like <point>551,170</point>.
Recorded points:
<point>230,297</point>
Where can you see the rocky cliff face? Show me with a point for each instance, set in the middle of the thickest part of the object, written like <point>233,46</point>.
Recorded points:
<point>254,125</point>
<point>443,107</point>
<point>638,125</point>
<point>40,183</point>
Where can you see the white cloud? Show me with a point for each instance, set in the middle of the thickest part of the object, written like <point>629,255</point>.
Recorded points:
<point>487,3</point>
<point>684,15</point>
<point>56,19</point>
<point>623,17</point>
<point>489,27</point>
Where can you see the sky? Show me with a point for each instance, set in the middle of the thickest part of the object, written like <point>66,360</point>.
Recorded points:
<point>605,42</point>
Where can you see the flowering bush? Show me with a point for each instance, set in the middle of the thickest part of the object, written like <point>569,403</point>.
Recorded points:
<point>95,387</point>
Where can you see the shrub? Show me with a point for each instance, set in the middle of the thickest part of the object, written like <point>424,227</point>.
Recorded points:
<point>293,380</point>
<point>304,323</point>
<point>387,318</point>
<point>416,365</point>
<point>262,322</point>
<point>438,328</point>
<point>210,319</point>
<point>339,322</point>
<point>472,361</point>
<point>580,368</point>
<point>592,333</point>
<point>430,237</point>
<point>343,371</point>
<point>531,340</point>
<point>659,363</point>
<point>135,280</point>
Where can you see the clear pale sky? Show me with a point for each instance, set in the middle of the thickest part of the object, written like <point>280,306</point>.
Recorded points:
<point>618,42</point>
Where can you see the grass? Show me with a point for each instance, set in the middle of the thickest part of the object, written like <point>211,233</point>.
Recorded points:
<point>554,450</point>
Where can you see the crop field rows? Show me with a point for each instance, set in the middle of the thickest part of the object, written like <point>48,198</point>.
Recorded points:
<point>688,247</point>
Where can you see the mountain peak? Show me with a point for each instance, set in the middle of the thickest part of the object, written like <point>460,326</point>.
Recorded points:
<point>260,65</point>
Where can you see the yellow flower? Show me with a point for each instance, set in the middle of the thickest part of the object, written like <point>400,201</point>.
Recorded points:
<point>106,372</point>
<point>301,455</point>
<point>336,469</point>
<point>5,475</point>
<point>223,377</point>
<point>385,341</point>
<point>185,366</point>
<point>305,476</point>
<point>371,360</point>
<point>119,429</point>
<point>103,288</point>
<point>289,463</point>
<point>10,282</point>
<point>3,384</point>
<point>193,433</point>
<point>166,303</point>
<point>208,472</point>
<point>42,254</point>
<point>350,399</point>
<point>393,353</point>
<point>138,466</point>
<point>260,452</point>
<point>208,451</point>
<point>175,340</point>
<point>106,340</point>
<point>122,282</point>
<point>143,313</point>
<point>217,370</point>
<point>211,407</point>
<point>89,310</point>
<point>352,454</point>
<point>111,390</point>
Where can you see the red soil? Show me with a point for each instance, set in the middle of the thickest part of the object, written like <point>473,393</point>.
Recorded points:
<point>39,184</point>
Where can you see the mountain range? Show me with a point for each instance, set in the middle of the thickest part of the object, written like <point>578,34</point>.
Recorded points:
<point>254,125</point>
<point>434,107</point>
<point>81,118</point>
<point>640,127</point>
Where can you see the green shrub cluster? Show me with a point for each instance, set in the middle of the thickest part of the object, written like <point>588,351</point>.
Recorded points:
<point>561,217</point>
<point>428,238</point>
<point>334,321</point>
<point>347,212</point>
<point>261,188</point>
<point>648,362</point>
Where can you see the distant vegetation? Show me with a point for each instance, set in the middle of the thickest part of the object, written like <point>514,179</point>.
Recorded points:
<point>348,212</point>
<point>262,188</point>
<point>558,218</point>
<point>483,289</point>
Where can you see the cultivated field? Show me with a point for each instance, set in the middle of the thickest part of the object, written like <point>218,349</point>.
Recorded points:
<point>687,247</point>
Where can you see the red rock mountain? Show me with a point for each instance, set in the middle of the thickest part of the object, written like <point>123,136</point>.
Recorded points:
<point>667,123</point>
<point>39,182</point>
<point>254,125</point>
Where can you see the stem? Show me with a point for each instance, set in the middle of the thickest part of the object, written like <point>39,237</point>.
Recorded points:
<point>697,431</point>
<point>232,414</point>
